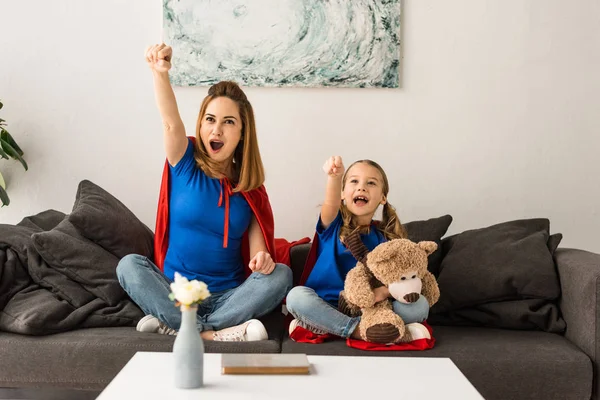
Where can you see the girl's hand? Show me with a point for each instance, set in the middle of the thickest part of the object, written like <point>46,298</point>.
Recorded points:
<point>334,167</point>
<point>381,293</point>
<point>262,262</point>
<point>158,57</point>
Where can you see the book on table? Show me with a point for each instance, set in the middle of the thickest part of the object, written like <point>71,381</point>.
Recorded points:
<point>234,363</point>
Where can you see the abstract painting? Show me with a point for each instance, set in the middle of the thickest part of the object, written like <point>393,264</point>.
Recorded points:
<point>310,43</point>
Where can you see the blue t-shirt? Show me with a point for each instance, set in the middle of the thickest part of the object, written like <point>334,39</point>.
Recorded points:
<point>196,228</point>
<point>334,260</point>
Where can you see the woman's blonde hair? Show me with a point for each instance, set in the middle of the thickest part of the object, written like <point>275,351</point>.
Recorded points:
<point>249,172</point>
<point>390,224</point>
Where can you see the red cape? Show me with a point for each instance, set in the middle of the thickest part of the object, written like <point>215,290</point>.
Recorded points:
<point>302,335</point>
<point>310,261</point>
<point>257,199</point>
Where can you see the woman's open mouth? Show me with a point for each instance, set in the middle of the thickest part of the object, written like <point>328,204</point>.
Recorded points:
<point>216,145</point>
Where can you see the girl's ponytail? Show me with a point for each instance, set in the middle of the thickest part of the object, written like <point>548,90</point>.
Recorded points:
<point>390,224</point>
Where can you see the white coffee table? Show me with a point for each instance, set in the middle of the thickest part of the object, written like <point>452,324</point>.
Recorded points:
<point>149,376</point>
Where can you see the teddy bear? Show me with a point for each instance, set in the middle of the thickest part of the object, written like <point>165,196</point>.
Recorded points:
<point>399,264</point>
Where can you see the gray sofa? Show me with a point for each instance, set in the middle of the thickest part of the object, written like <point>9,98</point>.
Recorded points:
<point>500,363</point>
<point>518,316</point>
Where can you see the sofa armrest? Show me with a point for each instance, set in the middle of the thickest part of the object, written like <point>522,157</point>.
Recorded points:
<point>579,273</point>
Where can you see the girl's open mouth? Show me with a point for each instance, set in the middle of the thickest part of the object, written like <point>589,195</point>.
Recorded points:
<point>360,201</point>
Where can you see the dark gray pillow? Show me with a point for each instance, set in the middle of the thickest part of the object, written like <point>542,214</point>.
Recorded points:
<point>527,314</point>
<point>103,219</point>
<point>554,241</point>
<point>43,221</point>
<point>503,262</point>
<point>431,230</point>
<point>83,262</point>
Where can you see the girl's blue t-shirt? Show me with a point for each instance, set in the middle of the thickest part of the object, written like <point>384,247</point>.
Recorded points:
<point>334,260</point>
<point>196,228</point>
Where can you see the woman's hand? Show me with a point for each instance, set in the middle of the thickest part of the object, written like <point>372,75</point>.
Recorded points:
<point>262,262</point>
<point>334,166</point>
<point>158,57</point>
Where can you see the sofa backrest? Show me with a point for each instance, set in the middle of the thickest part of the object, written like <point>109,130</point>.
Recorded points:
<point>298,255</point>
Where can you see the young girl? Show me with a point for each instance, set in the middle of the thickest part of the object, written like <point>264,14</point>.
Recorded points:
<point>213,211</point>
<point>364,187</point>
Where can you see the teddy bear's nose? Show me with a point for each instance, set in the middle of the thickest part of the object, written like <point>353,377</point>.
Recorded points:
<point>411,297</point>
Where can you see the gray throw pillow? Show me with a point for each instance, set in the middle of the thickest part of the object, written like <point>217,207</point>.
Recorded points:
<point>431,230</point>
<point>526,314</point>
<point>78,267</point>
<point>554,241</point>
<point>43,221</point>
<point>103,219</point>
<point>503,262</point>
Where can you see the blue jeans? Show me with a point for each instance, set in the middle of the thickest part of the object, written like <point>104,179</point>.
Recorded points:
<point>149,288</point>
<point>306,305</point>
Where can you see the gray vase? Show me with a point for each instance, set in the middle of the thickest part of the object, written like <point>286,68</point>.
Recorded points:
<point>188,352</point>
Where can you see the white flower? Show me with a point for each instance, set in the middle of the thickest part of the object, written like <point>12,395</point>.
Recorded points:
<point>188,292</point>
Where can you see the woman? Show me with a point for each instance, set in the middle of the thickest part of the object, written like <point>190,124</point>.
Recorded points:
<point>217,211</point>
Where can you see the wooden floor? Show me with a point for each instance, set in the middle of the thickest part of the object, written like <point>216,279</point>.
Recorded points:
<point>47,394</point>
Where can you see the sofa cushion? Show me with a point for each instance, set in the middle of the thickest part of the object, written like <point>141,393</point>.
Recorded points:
<point>508,262</point>
<point>501,364</point>
<point>81,261</point>
<point>553,242</point>
<point>298,255</point>
<point>103,219</point>
<point>43,221</point>
<point>523,314</point>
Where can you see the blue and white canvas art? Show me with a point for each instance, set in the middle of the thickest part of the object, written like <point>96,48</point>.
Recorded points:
<point>347,43</point>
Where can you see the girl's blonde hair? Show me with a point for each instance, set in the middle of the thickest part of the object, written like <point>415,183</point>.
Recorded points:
<point>248,168</point>
<point>390,224</point>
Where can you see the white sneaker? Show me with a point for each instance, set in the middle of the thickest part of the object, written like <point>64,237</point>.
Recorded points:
<point>249,331</point>
<point>296,322</point>
<point>151,324</point>
<point>148,324</point>
<point>163,329</point>
<point>418,331</point>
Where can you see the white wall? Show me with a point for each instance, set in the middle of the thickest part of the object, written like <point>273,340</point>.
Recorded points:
<point>497,117</point>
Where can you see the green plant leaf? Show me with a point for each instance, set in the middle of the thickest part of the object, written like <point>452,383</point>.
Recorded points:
<point>3,154</point>
<point>9,139</point>
<point>12,152</point>
<point>2,183</point>
<point>1,105</point>
<point>3,195</point>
